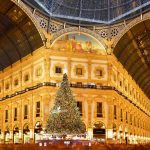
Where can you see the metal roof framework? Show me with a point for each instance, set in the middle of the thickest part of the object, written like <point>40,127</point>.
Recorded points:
<point>18,35</point>
<point>96,11</point>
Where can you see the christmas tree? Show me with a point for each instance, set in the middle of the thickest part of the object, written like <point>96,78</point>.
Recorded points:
<point>65,117</point>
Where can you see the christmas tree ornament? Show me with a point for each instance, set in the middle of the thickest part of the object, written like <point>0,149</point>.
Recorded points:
<point>65,117</point>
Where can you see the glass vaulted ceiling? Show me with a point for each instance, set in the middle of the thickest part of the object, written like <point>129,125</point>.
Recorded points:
<point>96,11</point>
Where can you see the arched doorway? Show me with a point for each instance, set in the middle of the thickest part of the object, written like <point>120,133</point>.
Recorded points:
<point>99,131</point>
<point>126,135</point>
<point>16,135</point>
<point>120,134</point>
<point>37,131</point>
<point>114,131</point>
<point>26,134</point>
<point>7,136</point>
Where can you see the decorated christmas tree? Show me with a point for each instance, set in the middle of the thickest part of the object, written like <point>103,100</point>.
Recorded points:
<point>65,117</point>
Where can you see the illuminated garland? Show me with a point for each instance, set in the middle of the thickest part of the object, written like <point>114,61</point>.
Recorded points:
<point>65,117</point>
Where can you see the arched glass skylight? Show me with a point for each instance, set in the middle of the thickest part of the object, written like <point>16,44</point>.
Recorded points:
<point>96,11</point>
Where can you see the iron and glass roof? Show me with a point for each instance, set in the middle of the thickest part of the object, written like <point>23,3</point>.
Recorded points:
<point>133,51</point>
<point>92,11</point>
<point>18,35</point>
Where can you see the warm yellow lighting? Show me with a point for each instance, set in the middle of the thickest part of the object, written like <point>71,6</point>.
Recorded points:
<point>65,70</point>
<point>90,134</point>
<point>110,133</point>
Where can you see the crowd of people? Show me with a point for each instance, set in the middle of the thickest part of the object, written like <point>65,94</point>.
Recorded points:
<point>62,146</point>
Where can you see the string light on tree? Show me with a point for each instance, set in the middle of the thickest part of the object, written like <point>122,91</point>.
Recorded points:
<point>58,110</point>
<point>65,71</point>
<point>65,117</point>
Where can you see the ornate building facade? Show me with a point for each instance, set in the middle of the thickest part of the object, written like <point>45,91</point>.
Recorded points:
<point>113,106</point>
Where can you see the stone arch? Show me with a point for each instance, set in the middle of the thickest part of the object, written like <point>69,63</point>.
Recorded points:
<point>79,30</point>
<point>38,127</point>
<point>26,125</point>
<point>100,123</point>
<point>21,5</point>
<point>16,133</point>
<point>128,27</point>
<point>15,126</point>
<point>7,128</point>
<point>7,134</point>
<point>99,131</point>
<point>26,133</point>
<point>15,104</point>
<point>114,126</point>
<point>128,51</point>
<point>37,131</point>
<point>114,131</point>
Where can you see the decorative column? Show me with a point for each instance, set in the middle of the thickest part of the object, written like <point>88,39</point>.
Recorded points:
<point>31,118</point>
<point>2,138</point>
<point>46,109</point>
<point>47,68</point>
<point>89,71</point>
<point>11,137</point>
<point>69,69</point>
<point>90,112</point>
<point>2,117</point>
<point>109,73</point>
<point>20,136</point>
<point>109,120</point>
<point>90,117</point>
<point>20,118</point>
<point>31,136</point>
<point>11,124</point>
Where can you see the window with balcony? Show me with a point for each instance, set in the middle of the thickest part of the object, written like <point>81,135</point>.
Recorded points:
<point>114,77</point>
<point>38,109</point>
<point>99,72</point>
<point>58,69</point>
<point>134,121</point>
<point>99,109</point>
<point>115,112</point>
<point>120,83</point>
<point>138,123</point>
<point>131,119</point>
<point>25,111</point>
<point>6,115</point>
<point>121,115</point>
<point>126,117</point>
<point>126,88</point>
<point>79,71</point>
<point>79,105</point>
<point>15,114</point>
